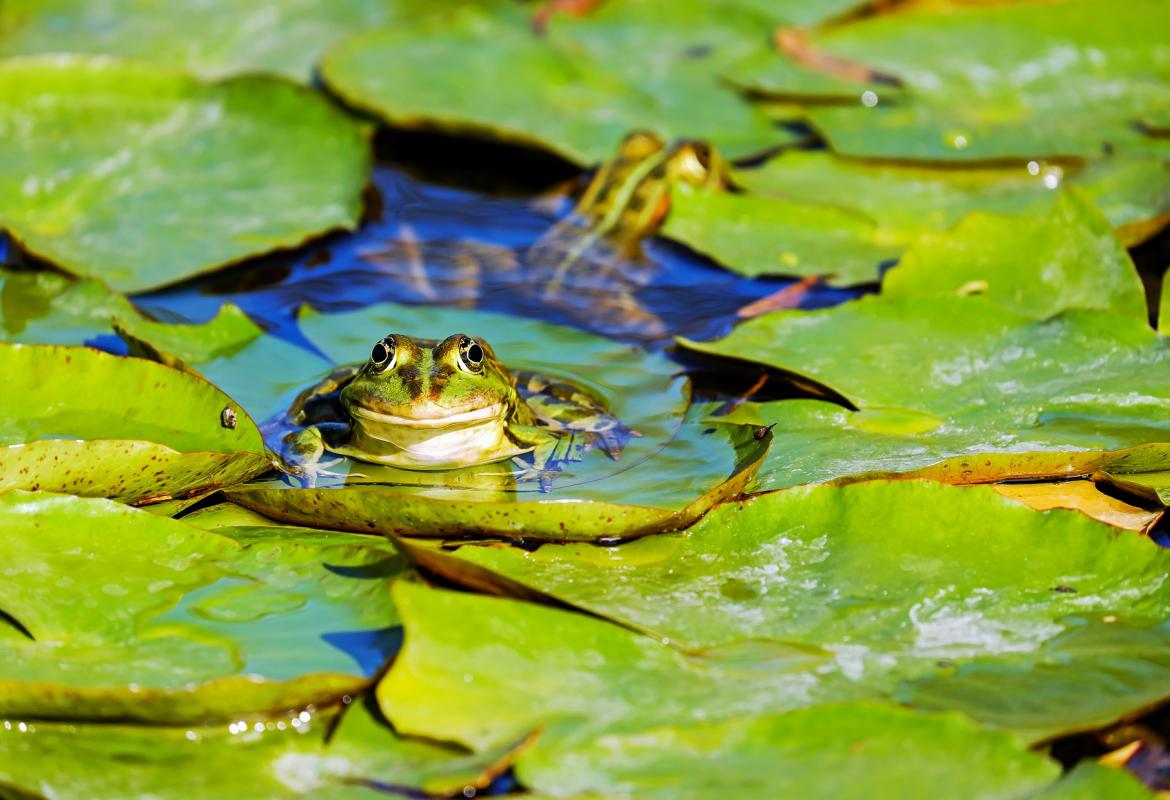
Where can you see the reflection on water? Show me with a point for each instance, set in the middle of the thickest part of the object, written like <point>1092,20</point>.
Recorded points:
<point>429,244</point>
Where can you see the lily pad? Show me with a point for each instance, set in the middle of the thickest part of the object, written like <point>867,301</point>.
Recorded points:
<point>177,624</point>
<point>804,571</point>
<point>1069,258</point>
<point>176,177</point>
<point>599,498</point>
<point>1132,192</point>
<point>755,235</point>
<point>845,751</point>
<point>1072,83</point>
<point>80,421</point>
<point>212,39</point>
<point>274,758</point>
<point>576,89</point>
<point>41,307</point>
<point>1070,395</point>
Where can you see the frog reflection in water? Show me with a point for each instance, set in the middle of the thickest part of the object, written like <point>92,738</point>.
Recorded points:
<point>589,265</point>
<point>421,404</point>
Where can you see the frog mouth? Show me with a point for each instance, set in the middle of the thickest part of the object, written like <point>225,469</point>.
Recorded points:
<point>442,418</point>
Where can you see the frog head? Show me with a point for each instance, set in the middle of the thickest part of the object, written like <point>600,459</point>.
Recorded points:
<point>425,404</point>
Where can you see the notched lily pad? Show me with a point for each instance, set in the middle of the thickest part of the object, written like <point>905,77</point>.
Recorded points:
<point>1079,392</point>
<point>133,616</point>
<point>176,177</point>
<point>80,421</point>
<point>596,497</point>
<point>945,585</point>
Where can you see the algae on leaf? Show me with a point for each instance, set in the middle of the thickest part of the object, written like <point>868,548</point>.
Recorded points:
<point>80,421</point>
<point>174,177</point>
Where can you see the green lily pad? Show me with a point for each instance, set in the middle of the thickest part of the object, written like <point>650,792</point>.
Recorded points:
<point>804,569</point>
<point>275,758</point>
<point>846,751</point>
<point>1068,258</point>
<point>1069,395</point>
<point>1070,83</point>
<point>80,421</point>
<point>598,498</point>
<point>126,615</point>
<point>1132,192</point>
<point>209,39</point>
<point>576,89</point>
<point>485,671</point>
<point>755,235</point>
<point>178,345</point>
<point>41,307</point>
<point>176,177</point>
<point>1089,780</point>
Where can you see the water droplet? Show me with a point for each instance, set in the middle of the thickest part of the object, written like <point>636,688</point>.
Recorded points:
<point>304,716</point>
<point>1052,177</point>
<point>114,590</point>
<point>469,791</point>
<point>192,736</point>
<point>1033,167</point>
<point>957,140</point>
<point>259,726</point>
<point>23,728</point>
<point>869,99</point>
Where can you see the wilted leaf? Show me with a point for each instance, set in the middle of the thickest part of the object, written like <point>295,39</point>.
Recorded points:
<point>1083,496</point>
<point>173,177</point>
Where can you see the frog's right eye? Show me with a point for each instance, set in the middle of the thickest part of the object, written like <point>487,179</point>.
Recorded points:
<point>383,354</point>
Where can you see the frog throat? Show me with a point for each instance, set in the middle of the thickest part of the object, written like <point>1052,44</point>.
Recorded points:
<point>466,439</point>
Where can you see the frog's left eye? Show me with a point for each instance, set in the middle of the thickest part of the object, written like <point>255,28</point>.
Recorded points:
<point>470,354</point>
<point>384,354</point>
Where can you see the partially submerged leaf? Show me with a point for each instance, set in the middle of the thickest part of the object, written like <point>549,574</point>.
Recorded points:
<point>178,345</point>
<point>175,177</point>
<point>1079,392</point>
<point>177,624</point>
<point>80,421</point>
<point>41,307</point>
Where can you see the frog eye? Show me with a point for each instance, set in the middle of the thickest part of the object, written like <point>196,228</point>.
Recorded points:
<point>470,354</point>
<point>384,354</point>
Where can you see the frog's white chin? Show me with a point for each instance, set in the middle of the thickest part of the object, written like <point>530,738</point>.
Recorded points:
<point>462,440</point>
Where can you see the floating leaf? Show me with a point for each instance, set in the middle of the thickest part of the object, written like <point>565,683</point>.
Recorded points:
<point>177,345</point>
<point>174,177</point>
<point>177,624</point>
<point>1088,780</point>
<point>1133,192</point>
<point>755,236</point>
<point>211,39</point>
<point>136,431</point>
<point>1073,81</point>
<point>598,498</point>
<point>279,758</point>
<point>845,751</point>
<point>1068,258</point>
<point>804,569</point>
<point>1072,394</point>
<point>575,90</point>
<point>40,307</point>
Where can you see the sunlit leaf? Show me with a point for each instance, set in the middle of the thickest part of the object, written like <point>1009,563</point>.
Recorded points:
<point>80,421</point>
<point>174,177</point>
<point>133,616</point>
<point>1072,394</point>
<point>576,89</point>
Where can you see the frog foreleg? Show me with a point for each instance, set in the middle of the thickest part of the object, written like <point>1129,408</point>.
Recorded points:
<point>302,450</point>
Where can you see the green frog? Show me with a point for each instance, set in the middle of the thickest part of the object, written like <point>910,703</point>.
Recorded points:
<point>588,265</point>
<point>422,404</point>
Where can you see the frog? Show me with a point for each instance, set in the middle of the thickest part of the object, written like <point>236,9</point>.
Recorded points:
<point>589,265</point>
<point>431,405</point>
